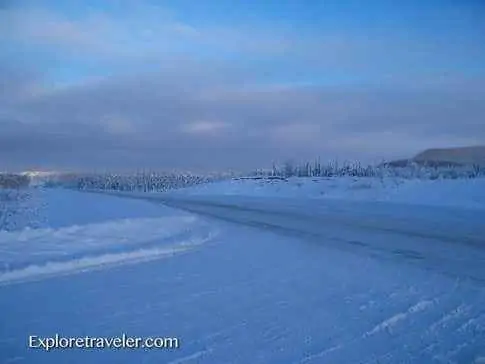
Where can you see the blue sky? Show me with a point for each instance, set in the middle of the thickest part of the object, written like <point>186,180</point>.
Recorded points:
<point>218,84</point>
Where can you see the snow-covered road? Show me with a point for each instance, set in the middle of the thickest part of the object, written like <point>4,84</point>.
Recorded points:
<point>449,240</point>
<point>247,280</point>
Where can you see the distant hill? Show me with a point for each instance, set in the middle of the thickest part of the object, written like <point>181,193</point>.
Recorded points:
<point>463,156</point>
<point>445,157</point>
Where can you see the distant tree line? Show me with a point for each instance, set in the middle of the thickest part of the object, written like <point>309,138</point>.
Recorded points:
<point>140,182</point>
<point>159,182</point>
<point>13,181</point>
<point>409,169</point>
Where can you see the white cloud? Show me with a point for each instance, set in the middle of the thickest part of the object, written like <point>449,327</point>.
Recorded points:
<point>148,30</point>
<point>117,124</point>
<point>205,127</point>
<point>298,133</point>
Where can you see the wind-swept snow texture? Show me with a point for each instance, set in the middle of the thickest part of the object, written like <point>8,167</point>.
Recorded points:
<point>242,279</point>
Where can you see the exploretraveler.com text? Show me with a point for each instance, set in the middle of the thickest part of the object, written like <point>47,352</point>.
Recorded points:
<point>91,342</point>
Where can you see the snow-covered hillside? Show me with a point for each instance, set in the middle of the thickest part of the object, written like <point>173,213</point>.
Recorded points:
<point>317,271</point>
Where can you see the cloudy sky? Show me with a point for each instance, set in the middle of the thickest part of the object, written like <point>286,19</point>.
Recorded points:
<point>214,84</point>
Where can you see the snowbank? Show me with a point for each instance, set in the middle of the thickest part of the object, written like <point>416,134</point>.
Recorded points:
<point>466,193</point>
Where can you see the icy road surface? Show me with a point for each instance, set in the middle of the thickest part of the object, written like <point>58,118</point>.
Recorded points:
<point>246,280</point>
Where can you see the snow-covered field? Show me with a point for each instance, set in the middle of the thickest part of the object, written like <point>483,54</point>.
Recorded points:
<point>252,271</point>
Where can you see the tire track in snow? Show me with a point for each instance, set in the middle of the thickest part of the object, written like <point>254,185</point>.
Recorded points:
<point>389,323</point>
<point>448,318</point>
<point>385,325</point>
<point>192,357</point>
<point>320,354</point>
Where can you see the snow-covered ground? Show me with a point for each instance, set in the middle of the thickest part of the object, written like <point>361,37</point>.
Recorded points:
<point>304,271</point>
<point>469,193</point>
